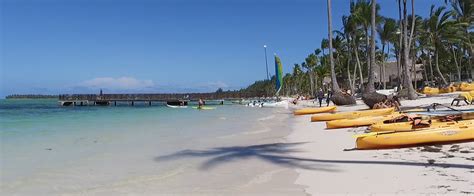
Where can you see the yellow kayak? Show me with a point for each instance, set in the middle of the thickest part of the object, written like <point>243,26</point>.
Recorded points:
<point>407,126</point>
<point>466,86</point>
<point>350,115</point>
<point>314,110</point>
<point>430,91</point>
<point>357,122</point>
<point>414,138</point>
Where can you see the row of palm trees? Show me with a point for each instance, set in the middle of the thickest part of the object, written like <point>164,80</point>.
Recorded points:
<point>442,43</point>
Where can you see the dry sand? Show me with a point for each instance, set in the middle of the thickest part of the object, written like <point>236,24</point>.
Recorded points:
<point>325,168</point>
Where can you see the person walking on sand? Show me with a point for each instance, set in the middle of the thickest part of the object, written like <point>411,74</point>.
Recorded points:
<point>328,98</point>
<point>320,96</point>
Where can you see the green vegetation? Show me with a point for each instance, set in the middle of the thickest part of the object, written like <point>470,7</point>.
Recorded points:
<point>31,96</point>
<point>442,43</point>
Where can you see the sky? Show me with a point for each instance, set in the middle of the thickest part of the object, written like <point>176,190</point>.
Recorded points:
<point>81,46</point>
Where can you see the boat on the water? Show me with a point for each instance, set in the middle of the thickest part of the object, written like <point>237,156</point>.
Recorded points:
<point>176,106</point>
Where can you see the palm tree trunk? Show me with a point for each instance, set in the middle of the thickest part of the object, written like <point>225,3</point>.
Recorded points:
<point>335,86</point>
<point>349,75</point>
<point>361,77</point>
<point>413,19</point>
<point>354,76</point>
<point>413,64</point>
<point>382,67</point>
<point>437,66</point>
<point>431,67</point>
<point>367,50</point>
<point>423,61</point>
<point>399,52</point>
<point>407,79</point>
<point>370,85</point>
<point>458,68</point>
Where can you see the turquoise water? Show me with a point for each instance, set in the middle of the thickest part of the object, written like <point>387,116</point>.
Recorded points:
<point>40,139</point>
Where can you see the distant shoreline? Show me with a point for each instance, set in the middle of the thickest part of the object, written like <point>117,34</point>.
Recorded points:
<point>32,97</point>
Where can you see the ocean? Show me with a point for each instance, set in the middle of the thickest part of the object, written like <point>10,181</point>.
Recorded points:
<point>50,149</point>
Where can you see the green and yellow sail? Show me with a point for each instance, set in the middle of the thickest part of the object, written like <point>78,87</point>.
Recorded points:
<point>279,74</point>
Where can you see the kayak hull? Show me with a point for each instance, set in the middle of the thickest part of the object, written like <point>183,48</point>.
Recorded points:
<point>415,138</point>
<point>306,111</point>
<point>351,115</point>
<point>407,126</point>
<point>176,106</point>
<point>357,122</point>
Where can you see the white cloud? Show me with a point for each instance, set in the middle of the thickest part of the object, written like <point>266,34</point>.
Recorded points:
<point>121,83</point>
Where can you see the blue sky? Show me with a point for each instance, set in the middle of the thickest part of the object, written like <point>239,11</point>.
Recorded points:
<point>79,46</point>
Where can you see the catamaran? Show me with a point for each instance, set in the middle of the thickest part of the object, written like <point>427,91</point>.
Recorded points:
<point>278,85</point>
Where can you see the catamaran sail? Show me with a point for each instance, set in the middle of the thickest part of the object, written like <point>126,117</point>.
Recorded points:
<point>279,74</point>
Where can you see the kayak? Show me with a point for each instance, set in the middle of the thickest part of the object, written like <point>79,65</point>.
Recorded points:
<point>350,115</point>
<point>430,91</point>
<point>176,106</point>
<point>357,122</point>
<point>466,86</point>
<point>413,138</point>
<point>314,110</point>
<point>408,126</point>
<point>204,108</point>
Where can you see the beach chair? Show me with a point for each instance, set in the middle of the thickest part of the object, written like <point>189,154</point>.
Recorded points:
<point>466,97</point>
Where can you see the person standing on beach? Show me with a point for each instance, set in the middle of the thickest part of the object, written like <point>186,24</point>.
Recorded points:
<point>320,96</point>
<point>328,98</point>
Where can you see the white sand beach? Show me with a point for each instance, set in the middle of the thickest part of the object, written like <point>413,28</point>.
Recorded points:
<point>331,170</point>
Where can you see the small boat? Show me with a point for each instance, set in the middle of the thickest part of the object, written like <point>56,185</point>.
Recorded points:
<point>350,115</point>
<point>176,106</point>
<point>383,140</point>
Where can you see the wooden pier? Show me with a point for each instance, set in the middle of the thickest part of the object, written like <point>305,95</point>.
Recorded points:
<point>140,99</point>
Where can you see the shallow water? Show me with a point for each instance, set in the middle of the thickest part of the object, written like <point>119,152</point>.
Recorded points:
<point>46,148</point>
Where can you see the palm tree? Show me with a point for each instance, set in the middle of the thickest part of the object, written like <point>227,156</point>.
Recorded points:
<point>324,45</point>
<point>310,63</point>
<point>386,32</point>
<point>441,29</point>
<point>463,12</point>
<point>335,86</point>
<point>353,37</point>
<point>322,71</point>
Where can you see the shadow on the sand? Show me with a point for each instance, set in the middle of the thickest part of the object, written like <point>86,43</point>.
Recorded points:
<point>278,153</point>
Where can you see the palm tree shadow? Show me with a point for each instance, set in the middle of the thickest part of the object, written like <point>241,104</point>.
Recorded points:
<point>279,154</point>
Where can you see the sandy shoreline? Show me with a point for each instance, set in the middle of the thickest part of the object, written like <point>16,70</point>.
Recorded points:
<point>328,169</point>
